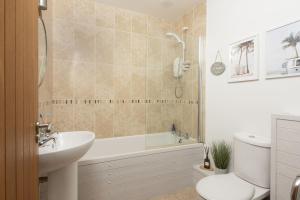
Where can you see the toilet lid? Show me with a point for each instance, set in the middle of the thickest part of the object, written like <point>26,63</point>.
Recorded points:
<point>225,187</point>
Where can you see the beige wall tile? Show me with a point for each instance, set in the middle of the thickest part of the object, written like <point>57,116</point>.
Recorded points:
<point>139,50</point>
<point>154,83</point>
<point>188,90</point>
<point>199,20</point>
<point>62,79</point>
<point>63,39</point>
<point>138,121</point>
<point>154,52</point>
<point>168,92</point>
<point>105,41</point>
<point>187,119</point>
<point>168,116</point>
<point>139,23</point>
<point>166,27</point>
<point>122,82</point>
<point>122,51</point>
<point>122,120</point>
<point>123,20</point>
<point>45,89</point>
<point>169,51</point>
<point>47,112</point>
<point>188,21</point>
<point>63,118</point>
<point>84,11</point>
<point>192,52</point>
<point>179,117</point>
<point>84,116</point>
<point>138,83</point>
<point>105,16</point>
<point>169,81</point>
<point>84,39</point>
<point>84,80</point>
<point>104,88</point>
<point>63,9</point>
<point>154,27</point>
<point>104,120</point>
<point>153,118</point>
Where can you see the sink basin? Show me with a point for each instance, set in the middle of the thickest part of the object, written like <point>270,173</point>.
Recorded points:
<point>68,148</point>
<point>58,161</point>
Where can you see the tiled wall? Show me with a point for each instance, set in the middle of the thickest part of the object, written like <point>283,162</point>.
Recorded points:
<point>112,70</point>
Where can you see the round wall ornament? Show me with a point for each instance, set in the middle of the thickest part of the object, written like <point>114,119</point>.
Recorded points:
<point>218,67</point>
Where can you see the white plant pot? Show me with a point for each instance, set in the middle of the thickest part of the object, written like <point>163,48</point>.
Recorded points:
<point>221,171</point>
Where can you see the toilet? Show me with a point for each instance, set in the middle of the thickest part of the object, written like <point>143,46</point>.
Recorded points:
<point>251,177</point>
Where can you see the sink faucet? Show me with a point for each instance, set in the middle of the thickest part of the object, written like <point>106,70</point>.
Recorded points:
<point>44,132</point>
<point>42,142</point>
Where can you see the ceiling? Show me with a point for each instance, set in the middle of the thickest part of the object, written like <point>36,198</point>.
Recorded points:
<point>167,9</point>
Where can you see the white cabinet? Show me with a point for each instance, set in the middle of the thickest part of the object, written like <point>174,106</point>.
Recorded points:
<point>285,157</point>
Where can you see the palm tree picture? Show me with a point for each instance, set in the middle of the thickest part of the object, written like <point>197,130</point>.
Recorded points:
<point>249,46</point>
<point>244,49</point>
<point>243,59</point>
<point>291,42</point>
<point>283,51</point>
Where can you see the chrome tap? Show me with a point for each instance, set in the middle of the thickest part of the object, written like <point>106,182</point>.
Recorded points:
<point>173,129</point>
<point>186,136</point>
<point>180,141</point>
<point>42,142</point>
<point>44,132</point>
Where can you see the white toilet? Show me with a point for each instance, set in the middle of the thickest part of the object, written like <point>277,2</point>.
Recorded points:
<point>251,177</point>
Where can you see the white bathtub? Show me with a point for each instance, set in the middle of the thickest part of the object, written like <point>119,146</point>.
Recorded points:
<point>129,168</point>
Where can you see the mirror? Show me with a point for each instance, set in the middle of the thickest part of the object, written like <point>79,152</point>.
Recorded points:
<point>42,50</point>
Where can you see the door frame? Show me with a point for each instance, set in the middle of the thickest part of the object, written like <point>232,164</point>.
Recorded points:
<point>18,99</point>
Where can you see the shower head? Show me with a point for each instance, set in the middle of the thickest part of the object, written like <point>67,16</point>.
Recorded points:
<point>175,36</point>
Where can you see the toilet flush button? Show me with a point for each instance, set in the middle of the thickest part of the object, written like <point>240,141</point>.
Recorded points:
<point>252,136</point>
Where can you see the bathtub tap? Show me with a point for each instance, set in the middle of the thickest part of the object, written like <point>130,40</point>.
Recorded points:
<point>186,136</point>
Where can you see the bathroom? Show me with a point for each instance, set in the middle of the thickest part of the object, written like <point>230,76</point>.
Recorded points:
<point>110,99</point>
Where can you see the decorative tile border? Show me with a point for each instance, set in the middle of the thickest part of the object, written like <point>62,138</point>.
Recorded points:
<point>117,101</point>
<point>45,103</point>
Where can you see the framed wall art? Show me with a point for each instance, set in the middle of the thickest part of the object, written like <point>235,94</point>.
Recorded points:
<point>244,60</point>
<point>283,51</point>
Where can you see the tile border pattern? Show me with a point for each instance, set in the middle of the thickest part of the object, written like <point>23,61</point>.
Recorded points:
<point>117,101</point>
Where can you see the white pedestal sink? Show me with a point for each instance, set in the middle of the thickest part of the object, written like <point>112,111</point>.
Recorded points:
<point>58,161</point>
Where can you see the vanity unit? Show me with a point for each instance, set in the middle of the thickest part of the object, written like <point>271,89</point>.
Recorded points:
<point>285,156</point>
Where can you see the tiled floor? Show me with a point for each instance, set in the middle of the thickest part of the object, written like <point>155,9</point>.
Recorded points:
<point>185,194</point>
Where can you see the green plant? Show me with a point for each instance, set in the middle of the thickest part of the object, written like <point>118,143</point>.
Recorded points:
<point>221,153</point>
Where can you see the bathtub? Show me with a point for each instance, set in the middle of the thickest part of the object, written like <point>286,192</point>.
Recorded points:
<point>137,167</point>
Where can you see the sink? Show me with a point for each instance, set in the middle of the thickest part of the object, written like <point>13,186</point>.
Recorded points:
<point>58,161</point>
<point>68,148</point>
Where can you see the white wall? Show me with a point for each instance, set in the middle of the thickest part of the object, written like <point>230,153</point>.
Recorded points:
<point>246,106</point>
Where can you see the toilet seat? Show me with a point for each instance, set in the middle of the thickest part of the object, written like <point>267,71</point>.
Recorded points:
<point>225,187</point>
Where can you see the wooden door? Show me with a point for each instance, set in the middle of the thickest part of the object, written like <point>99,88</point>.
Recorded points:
<point>18,100</point>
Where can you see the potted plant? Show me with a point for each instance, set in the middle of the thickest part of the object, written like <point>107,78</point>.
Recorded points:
<point>221,153</point>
